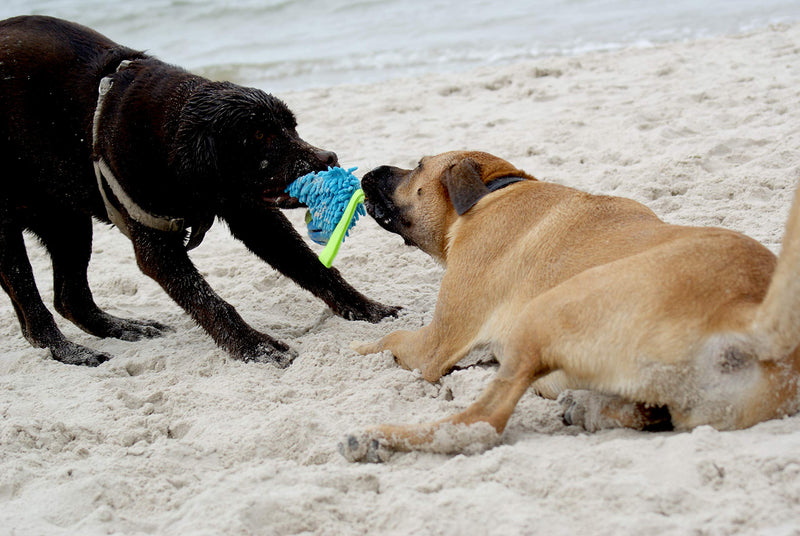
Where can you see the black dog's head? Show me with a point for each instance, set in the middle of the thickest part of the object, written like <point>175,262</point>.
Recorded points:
<point>246,141</point>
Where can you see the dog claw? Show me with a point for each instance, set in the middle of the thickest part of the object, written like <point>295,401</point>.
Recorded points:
<point>364,448</point>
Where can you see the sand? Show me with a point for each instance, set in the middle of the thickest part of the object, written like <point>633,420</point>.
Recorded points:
<point>174,437</point>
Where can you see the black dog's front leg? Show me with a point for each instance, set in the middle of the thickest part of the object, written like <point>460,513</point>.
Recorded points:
<point>163,257</point>
<point>268,234</point>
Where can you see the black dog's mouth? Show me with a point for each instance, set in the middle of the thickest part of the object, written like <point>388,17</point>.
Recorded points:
<point>279,197</point>
<point>281,200</point>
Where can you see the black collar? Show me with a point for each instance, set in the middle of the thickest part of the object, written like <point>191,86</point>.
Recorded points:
<point>464,203</point>
<point>502,182</point>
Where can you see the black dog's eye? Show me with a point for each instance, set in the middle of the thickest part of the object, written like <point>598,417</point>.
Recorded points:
<point>263,137</point>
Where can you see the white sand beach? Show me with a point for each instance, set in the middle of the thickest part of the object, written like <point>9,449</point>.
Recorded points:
<point>174,437</point>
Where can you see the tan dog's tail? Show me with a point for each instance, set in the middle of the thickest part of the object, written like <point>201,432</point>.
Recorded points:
<point>777,321</point>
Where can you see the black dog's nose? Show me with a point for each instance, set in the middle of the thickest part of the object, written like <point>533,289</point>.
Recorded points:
<point>328,158</point>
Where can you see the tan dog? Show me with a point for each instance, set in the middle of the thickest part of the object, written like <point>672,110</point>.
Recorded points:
<point>658,324</point>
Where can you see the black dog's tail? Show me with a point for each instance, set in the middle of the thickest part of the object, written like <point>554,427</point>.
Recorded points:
<point>776,326</point>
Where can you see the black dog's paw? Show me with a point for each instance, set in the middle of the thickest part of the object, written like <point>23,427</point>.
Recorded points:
<point>70,353</point>
<point>268,351</point>
<point>385,311</point>
<point>371,311</point>
<point>364,447</point>
<point>134,330</point>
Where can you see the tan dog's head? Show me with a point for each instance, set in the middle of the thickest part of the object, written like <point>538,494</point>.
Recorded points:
<point>421,204</point>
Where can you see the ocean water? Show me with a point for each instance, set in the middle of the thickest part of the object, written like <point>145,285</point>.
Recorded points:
<point>282,45</point>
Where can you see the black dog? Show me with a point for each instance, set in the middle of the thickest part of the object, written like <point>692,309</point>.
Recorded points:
<point>89,128</point>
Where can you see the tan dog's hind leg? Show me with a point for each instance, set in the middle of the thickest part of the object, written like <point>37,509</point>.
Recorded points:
<point>480,424</point>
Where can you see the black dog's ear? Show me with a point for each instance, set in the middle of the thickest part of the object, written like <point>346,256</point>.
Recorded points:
<point>205,151</point>
<point>464,185</point>
<point>195,140</point>
<point>196,151</point>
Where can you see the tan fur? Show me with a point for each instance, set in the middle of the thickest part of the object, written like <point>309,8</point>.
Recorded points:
<point>578,291</point>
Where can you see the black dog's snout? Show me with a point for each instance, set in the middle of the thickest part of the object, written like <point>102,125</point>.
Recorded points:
<point>327,158</point>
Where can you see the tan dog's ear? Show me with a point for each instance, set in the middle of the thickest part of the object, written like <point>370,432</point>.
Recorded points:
<point>464,185</point>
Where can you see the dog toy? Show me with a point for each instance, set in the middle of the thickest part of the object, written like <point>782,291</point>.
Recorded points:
<point>335,200</point>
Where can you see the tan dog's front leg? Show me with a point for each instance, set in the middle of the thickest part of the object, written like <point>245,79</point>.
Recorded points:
<point>423,349</point>
<point>437,347</point>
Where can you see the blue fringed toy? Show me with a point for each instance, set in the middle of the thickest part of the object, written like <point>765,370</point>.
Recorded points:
<point>335,201</point>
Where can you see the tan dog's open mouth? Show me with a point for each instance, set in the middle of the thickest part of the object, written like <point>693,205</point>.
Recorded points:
<point>377,202</point>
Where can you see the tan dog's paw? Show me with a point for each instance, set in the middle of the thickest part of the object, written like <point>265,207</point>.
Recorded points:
<point>365,348</point>
<point>364,447</point>
<point>574,412</point>
<point>595,411</point>
<point>585,409</point>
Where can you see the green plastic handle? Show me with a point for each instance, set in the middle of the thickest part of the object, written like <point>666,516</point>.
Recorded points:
<point>327,255</point>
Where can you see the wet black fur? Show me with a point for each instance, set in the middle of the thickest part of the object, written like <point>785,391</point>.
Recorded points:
<point>181,146</point>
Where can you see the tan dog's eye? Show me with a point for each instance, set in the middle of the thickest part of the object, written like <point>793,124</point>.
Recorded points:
<point>419,192</point>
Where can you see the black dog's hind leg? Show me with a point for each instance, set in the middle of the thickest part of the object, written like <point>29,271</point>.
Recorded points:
<point>68,239</point>
<point>162,256</point>
<point>268,234</point>
<point>37,323</point>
